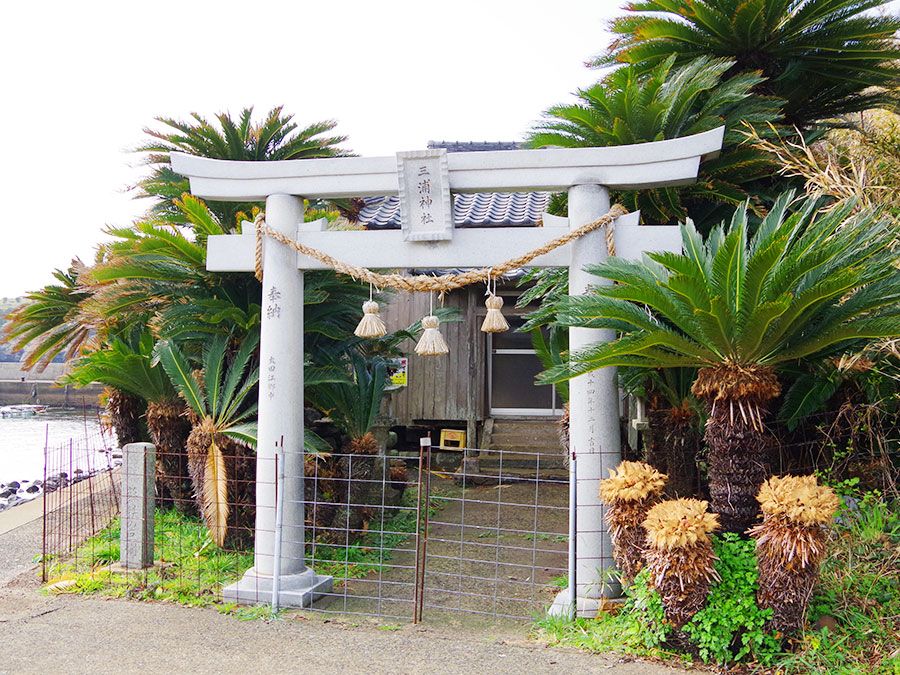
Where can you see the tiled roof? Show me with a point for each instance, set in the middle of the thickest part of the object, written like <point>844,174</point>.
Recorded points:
<point>469,210</point>
<point>475,146</point>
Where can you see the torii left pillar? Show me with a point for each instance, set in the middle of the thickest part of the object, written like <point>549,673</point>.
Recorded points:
<point>281,425</point>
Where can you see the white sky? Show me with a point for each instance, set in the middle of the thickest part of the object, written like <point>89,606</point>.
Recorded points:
<point>81,80</point>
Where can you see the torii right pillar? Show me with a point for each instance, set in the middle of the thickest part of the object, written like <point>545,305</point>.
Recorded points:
<point>594,434</point>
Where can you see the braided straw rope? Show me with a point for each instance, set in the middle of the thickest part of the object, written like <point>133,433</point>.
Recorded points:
<point>445,282</point>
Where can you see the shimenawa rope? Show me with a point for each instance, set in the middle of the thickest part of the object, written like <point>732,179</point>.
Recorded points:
<point>445,282</point>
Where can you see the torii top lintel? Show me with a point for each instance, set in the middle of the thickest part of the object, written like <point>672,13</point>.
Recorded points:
<point>644,165</point>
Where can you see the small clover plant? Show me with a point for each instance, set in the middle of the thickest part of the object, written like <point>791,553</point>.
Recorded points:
<point>730,627</point>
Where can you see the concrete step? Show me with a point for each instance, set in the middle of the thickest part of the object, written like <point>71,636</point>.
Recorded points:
<point>529,450</point>
<point>543,440</point>
<point>541,426</point>
<point>518,433</point>
<point>520,460</point>
<point>489,476</point>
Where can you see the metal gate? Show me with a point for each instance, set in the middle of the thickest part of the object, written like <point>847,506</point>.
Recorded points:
<point>484,537</point>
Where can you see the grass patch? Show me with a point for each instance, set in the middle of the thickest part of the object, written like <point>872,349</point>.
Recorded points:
<point>371,552</point>
<point>193,570</point>
<point>854,616</point>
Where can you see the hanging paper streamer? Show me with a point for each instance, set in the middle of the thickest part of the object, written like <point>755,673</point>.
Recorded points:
<point>371,325</point>
<point>431,343</point>
<point>494,322</point>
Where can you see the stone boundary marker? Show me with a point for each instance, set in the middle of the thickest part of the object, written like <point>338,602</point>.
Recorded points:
<point>138,505</point>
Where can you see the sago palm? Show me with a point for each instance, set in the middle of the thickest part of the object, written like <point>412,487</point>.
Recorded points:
<point>275,137</point>
<point>673,437</point>
<point>824,58</point>
<point>629,106</point>
<point>353,407</point>
<point>127,366</point>
<point>52,321</point>
<point>806,285</point>
<point>59,320</point>
<point>220,457</point>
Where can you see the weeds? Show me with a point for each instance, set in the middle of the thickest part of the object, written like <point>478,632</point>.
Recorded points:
<point>855,610</point>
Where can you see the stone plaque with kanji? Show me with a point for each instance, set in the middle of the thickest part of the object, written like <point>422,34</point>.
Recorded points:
<point>425,209</point>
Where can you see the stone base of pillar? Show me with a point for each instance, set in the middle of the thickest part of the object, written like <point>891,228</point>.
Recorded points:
<point>587,608</point>
<point>295,590</point>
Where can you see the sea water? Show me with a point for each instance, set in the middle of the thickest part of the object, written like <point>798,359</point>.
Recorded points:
<point>23,440</point>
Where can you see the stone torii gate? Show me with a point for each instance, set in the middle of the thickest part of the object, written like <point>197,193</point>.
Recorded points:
<point>428,240</point>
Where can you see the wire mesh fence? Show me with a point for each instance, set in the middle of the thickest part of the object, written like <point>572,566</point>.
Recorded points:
<point>81,497</point>
<point>404,537</point>
<point>497,540</point>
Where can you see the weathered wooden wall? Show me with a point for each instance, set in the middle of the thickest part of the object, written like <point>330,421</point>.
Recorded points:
<point>449,387</point>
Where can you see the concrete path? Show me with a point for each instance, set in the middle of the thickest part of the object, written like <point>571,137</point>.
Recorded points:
<point>73,634</point>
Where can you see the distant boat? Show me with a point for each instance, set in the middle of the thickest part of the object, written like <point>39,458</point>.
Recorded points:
<point>23,410</point>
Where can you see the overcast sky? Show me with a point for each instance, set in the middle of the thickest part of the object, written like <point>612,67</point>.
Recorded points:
<point>81,81</point>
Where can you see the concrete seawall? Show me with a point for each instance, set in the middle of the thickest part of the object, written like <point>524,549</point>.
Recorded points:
<point>13,392</point>
<point>22,386</point>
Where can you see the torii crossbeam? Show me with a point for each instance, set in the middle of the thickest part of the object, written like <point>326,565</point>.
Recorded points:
<point>586,174</point>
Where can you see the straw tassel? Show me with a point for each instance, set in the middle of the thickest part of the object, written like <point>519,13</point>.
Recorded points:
<point>431,343</point>
<point>494,322</point>
<point>371,325</point>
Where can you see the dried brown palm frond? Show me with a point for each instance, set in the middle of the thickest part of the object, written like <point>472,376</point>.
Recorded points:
<point>846,164</point>
<point>790,546</point>
<point>680,556</point>
<point>208,465</point>
<point>630,491</point>
<point>216,464</point>
<point>366,444</point>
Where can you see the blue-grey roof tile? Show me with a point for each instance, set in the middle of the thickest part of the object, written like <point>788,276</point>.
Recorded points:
<point>469,210</point>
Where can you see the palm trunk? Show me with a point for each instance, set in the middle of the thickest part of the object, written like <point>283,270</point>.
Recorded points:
<point>737,439</point>
<point>360,468</point>
<point>683,442</point>
<point>563,431</point>
<point>790,547</point>
<point>738,465</point>
<point>169,431</point>
<point>680,559</point>
<point>655,440</point>
<point>630,492</point>
<point>125,413</point>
